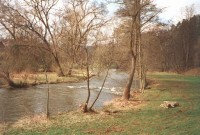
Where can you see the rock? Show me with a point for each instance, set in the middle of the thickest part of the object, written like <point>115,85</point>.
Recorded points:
<point>169,104</point>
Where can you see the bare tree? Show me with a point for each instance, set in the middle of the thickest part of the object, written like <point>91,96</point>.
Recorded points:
<point>108,60</point>
<point>140,13</point>
<point>82,22</point>
<point>36,16</point>
<point>189,12</point>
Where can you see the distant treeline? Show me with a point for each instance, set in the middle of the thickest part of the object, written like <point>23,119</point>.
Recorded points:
<point>166,47</point>
<point>177,48</point>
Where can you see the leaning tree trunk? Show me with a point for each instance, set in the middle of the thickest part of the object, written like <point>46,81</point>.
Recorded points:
<point>59,66</point>
<point>126,94</point>
<point>100,89</point>
<point>85,107</point>
<point>133,51</point>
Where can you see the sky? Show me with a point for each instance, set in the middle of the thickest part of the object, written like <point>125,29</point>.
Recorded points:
<point>173,9</point>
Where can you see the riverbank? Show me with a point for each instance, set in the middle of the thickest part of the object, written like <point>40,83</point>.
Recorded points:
<point>142,115</point>
<point>31,79</point>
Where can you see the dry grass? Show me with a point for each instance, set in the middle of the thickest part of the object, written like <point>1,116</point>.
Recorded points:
<point>193,72</point>
<point>121,104</point>
<point>27,123</point>
<point>40,78</point>
<point>32,122</point>
<point>3,127</point>
<point>40,122</point>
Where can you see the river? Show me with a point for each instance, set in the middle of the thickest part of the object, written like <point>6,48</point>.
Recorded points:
<point>17,103</point>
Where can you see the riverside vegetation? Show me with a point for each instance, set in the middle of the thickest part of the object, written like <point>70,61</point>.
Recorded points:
<point>142,114</point>
<point>30,79</point>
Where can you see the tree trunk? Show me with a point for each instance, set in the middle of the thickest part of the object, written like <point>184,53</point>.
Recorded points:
<point>47,82</point>
<point>133,52</point>
<point>126,94</point>
<point>187,57</point>
<point>59,66</point>
<point>186,51</point>
<point>85,109</point>
<point>142,75</point>
<point>100,89</point>
<point>142,80</point>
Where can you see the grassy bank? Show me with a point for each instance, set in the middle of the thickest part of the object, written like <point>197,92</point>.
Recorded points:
<point>141,116</point>
<point>29,79</point>
<point>40,78</point>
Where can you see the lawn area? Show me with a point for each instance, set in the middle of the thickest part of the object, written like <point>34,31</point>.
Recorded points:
<point>148,118</point>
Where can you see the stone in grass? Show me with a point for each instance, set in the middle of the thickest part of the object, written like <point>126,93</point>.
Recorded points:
<point>169,104</point>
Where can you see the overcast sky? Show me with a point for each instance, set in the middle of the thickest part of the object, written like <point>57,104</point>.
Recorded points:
<point>173,8</point>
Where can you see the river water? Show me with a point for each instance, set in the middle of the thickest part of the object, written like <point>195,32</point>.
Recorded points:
<point>17,103</point>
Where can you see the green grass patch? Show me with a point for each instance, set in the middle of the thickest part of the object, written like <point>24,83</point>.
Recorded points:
<point>149,119</point>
